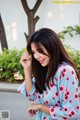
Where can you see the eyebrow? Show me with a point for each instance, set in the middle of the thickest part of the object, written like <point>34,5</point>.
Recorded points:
<point>37,49</point>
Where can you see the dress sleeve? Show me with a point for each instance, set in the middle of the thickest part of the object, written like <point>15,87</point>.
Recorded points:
<point>69,108</point>
<point>32,95</point>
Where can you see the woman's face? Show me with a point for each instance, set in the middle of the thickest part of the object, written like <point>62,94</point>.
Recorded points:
<point>40,54</point>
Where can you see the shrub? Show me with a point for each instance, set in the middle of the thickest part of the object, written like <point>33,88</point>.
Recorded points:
<point>10,64</point>
<point>75,55</point>
<point>71,30</point>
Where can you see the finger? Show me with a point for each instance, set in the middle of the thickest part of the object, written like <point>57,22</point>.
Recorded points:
<point>31,113</point>
<point>26,53</point>
<point>25,57</point>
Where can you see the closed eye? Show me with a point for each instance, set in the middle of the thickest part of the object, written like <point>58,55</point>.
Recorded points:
<point>40,51</point>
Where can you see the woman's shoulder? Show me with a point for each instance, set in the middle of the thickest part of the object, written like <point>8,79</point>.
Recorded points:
<point>65,67</point>
<point>64,71</point>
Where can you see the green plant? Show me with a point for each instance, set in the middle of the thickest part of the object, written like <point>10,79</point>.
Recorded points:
<point>75,55</point>
<point>69,30</point>
<point>10,64</point>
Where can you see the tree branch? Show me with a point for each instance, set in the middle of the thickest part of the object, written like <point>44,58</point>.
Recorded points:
<point>25,6</point>
<point>37,5</point>
<point>36,19</point>
<point>3,39</point>
<point>26,36</point>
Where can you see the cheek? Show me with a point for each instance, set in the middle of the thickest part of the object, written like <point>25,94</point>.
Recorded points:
<point>48,60</point>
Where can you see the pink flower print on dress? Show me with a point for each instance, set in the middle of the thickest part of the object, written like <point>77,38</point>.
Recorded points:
<point>42,95</point>
<point>44,118</point>
<point>53,98</point>
<point>56,94</point>
<point>61,88</point>
<point>46,92</point>
<point>51,85</point>
<point>64,118</point>
<point>67,94</point>
<point>64,70</point>
<point>73,82</point>
<point>55,116</point>
<point>36,92</point>
<point>70,101</point>
<point>66,110</point>
<point>55,79</point>
<point>57,104</point>
<point>67,78</point>
<point>72,72</point>
<point>60,109</point>
<point>63,73</point>
<point>77,89</point>
<point>39,97</point>
<point>78,107</point>
<point>29,95</point>
<point>72,113</point>
<point>76,97</point>
<point>52,109</point>
<point>47,102</point>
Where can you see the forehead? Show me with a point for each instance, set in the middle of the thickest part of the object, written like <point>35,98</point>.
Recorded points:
<point>37,46</point>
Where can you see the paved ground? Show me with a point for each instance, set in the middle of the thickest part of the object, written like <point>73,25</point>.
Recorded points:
<point>16,105</point>
<point>9,87</point>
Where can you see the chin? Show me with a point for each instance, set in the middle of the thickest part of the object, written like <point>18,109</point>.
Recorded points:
<point>43,65</point>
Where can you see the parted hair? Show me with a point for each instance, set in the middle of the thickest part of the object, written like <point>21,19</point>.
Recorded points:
<point>52,43</point>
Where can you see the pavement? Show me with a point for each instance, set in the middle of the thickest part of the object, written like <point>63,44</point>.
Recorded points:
<point>12,87</point>
<point>8,87</point>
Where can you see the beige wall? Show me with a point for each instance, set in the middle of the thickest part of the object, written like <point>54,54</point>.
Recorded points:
<point>54,16</point>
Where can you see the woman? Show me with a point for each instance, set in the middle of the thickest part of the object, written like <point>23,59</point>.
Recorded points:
<point>50,77</point>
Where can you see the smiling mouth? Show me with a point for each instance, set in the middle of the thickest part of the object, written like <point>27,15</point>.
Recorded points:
<point>41,62</point>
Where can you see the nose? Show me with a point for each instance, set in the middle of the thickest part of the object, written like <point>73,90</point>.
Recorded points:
<point>36,55</point>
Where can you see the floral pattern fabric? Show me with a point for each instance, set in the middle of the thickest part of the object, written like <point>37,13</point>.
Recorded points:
<point>62,97</point>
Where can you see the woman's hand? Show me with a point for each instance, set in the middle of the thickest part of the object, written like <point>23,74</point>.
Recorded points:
<point>26,60</point>
<point>33,109</point>
<point>26,63</point>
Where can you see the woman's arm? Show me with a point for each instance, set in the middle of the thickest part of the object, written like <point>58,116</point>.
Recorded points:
<point>36,107</point>
<point>26,63</point>
<point>28,81</point>
<point>27,88</point>
<point>45,108</point>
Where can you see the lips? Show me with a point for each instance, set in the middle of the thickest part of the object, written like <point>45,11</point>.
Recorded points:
<point>41,61</point>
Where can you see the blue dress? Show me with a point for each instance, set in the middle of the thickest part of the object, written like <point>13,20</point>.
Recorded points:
<point>62,97</point>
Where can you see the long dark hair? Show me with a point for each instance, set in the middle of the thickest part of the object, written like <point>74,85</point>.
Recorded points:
<point>50,40</point>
